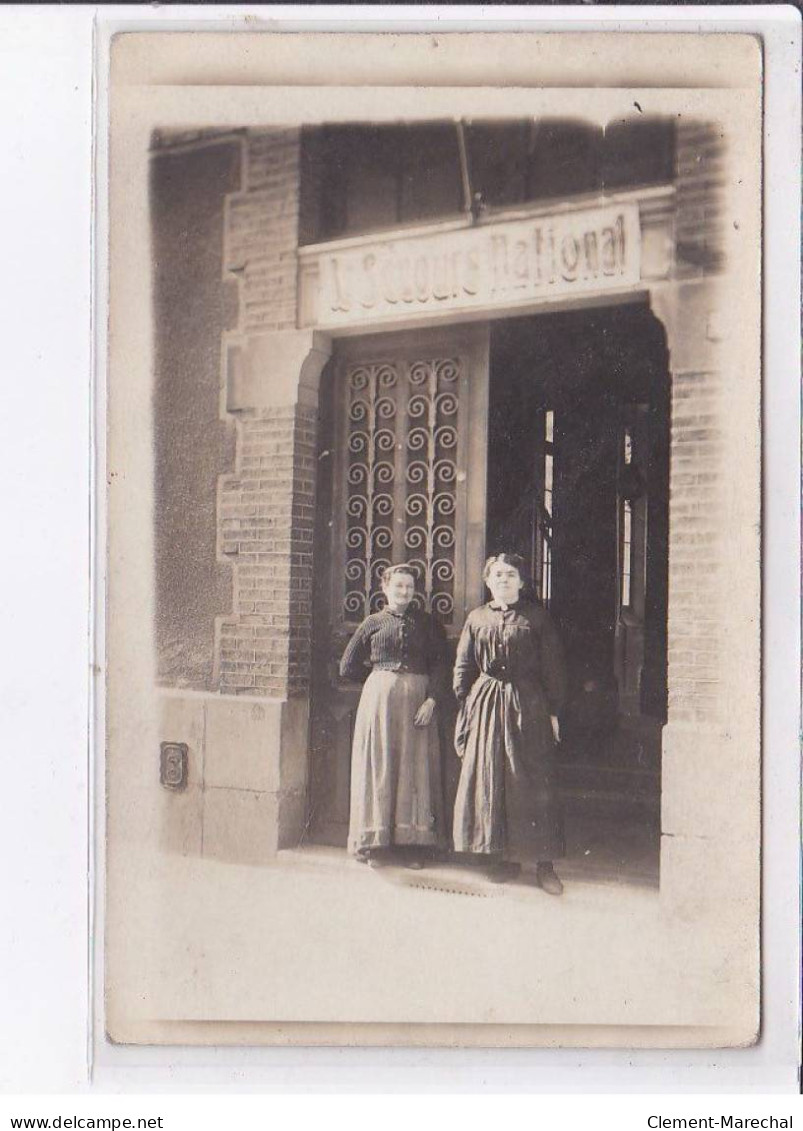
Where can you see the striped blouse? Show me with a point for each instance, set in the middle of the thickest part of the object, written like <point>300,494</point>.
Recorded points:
<point>411,641</point>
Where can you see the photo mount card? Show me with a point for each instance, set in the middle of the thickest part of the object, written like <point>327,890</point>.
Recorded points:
<point>505,301</point>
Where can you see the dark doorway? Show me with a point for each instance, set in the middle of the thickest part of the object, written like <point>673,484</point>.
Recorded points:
<point>578,462</point>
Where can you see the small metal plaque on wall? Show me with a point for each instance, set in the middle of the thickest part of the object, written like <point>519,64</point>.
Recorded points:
<point>173,765</point>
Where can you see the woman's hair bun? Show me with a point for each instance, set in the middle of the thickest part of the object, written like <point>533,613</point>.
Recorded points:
<point>515,560</point>
<point>402,567</point>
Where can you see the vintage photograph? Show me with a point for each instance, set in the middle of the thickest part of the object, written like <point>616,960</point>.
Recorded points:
<point>433,470</point>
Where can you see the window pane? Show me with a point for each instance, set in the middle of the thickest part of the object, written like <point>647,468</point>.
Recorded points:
<point>498,154</point>
<point>564,158</point>
<point>546,518</point>
<point>546,573</point>
<point>361,177</point>
<point>371,201</point>
<point>431,180</point>
<point>370,171</point>
<point>627,551</point>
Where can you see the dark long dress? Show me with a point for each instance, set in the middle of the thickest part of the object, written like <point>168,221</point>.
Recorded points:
<point>396,773</point>
<point>510,677</point>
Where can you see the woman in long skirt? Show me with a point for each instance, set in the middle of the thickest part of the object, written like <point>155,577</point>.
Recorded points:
<point>510,680</point>
<point>396,781</point>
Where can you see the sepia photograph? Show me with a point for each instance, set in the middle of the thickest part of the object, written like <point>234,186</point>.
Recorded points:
<point>432,618</point>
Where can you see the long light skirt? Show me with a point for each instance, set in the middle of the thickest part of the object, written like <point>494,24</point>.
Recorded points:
<point>396,783</point>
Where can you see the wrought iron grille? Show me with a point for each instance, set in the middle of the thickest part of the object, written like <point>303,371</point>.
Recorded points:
<point>401,478</point>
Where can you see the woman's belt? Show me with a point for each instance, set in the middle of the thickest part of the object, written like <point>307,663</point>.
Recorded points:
<point>500,672</point>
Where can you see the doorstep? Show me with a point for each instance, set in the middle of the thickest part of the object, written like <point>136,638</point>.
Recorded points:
<point>461,879</point>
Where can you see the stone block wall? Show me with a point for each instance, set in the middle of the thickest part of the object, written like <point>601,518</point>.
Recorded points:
<point>193,305</point>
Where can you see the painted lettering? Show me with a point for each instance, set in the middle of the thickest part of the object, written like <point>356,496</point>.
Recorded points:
<point>520,263</point>
<point>499,267</point>
<point>591,255</point>
<point>441,285</point>
<point>421,276</point>
<point>620,242</point>
<point>371,295</point>
<point>390,292</point>
<point>406,272</point>
<point>570,258</point>
<point>339,297</point>
<point>471,275</point>
<point>608,256</point>
<point>475,266</point>
<point>537,250</point>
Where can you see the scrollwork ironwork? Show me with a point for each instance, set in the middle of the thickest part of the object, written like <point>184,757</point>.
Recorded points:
<point>371,442</point>
<point>431,472</point>
<point>446,369</point>
<point>443,605</point>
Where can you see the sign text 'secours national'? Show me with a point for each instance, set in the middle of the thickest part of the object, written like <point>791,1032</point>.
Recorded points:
<point>486,266</point>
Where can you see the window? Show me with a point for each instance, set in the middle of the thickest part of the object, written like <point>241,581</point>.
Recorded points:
<point>362,177</point>
<point>565,158</point>
<point>546,517</point>
<point>541,159</point>
<point>513,162</point>
<point>626,569</point>
<point>627,552</point>
<point>638,153</point>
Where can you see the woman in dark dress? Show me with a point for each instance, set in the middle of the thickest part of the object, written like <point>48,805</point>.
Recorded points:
<point>510,680</point>
<point>396,783</point>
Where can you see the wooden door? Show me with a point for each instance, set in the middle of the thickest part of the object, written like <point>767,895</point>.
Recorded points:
<point>402,470</point>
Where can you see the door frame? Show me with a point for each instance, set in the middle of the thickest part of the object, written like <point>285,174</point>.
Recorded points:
<point>471,341</point>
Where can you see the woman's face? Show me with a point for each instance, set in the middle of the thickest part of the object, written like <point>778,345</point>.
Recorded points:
<point>504,581</point>
<point>399,591</point>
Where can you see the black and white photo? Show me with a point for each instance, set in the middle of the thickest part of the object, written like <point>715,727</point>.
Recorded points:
<point>434,502</point>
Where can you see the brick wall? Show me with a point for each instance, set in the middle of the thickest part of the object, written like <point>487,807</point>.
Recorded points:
<point>266,508</point>
<point>266,530</point>
<point>262,231</point>
<point>700,168</point>
<point>697,509</point>
<point>697,545</point>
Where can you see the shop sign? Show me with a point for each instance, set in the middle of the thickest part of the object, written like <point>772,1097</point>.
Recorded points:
<point>484,266</point>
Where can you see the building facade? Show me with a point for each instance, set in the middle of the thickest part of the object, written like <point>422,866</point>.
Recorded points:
<point>426,342</point>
